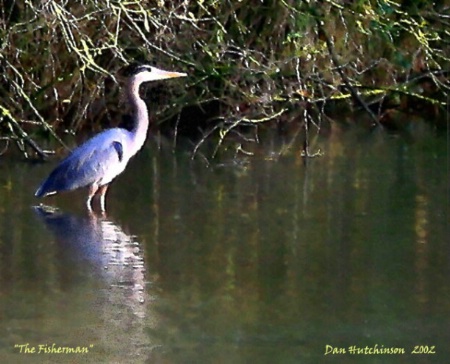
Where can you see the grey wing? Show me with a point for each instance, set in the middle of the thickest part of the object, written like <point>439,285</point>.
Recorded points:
<point>87,165</point>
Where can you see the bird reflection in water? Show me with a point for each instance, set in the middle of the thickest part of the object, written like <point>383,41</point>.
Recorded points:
<point>116,256</point>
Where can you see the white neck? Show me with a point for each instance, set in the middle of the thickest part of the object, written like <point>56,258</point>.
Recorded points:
<point>140,114</point>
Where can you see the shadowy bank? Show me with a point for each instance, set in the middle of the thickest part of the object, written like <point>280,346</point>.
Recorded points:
<point>296,66</point>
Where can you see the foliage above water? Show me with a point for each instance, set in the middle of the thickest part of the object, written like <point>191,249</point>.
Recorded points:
<point>288,63</point>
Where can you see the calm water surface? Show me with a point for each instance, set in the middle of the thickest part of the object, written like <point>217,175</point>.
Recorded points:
<point>267,260</point>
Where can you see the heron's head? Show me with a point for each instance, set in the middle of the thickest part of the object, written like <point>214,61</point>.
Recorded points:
<point>145,73</point>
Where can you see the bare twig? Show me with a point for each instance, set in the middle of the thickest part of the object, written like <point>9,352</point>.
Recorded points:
<point>344,77</point>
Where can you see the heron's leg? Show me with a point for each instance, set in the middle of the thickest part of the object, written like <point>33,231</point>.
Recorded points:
<point>92,191</point>
<point>102,192</point>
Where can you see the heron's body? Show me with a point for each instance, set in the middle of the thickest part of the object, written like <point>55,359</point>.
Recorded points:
<point>96,162</point>
<point>99,160</point>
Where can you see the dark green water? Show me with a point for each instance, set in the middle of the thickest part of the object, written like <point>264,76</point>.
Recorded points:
<point>267,261</point>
